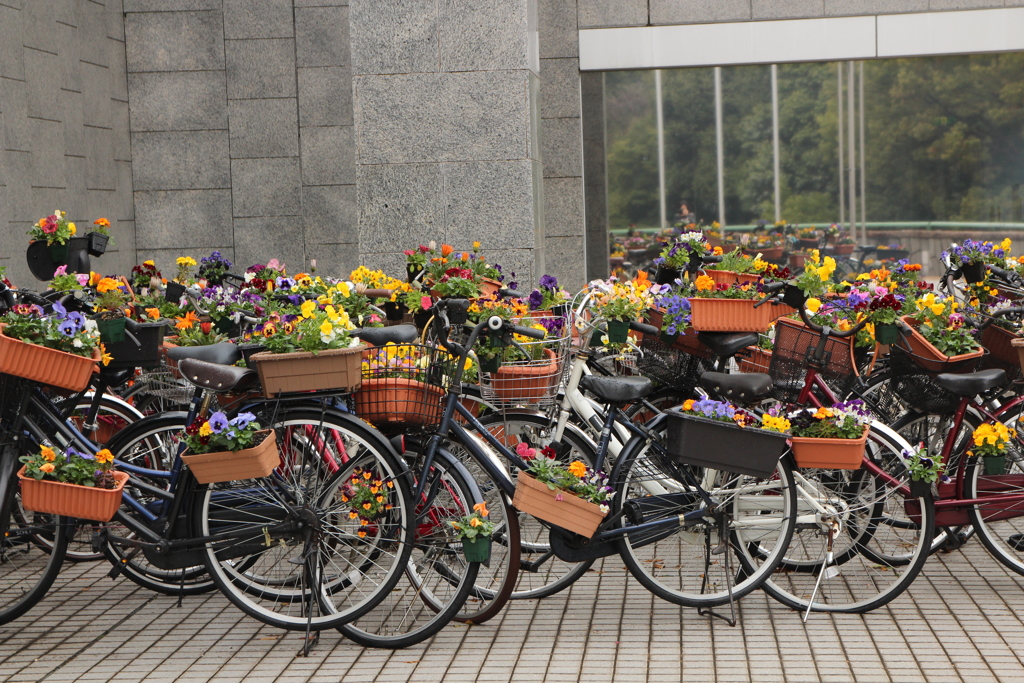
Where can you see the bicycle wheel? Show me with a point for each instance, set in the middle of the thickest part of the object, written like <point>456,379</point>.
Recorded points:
<point>296,554</point>
<point>438,579</point>
<point>26,570</point>
<point>541,573</point>
<point>1000,525</point>
<point>693,566</point>
<point>153,443</point>
<point>879,537</point>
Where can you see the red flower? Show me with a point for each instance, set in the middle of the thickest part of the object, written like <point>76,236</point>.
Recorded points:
<point>206,327</point>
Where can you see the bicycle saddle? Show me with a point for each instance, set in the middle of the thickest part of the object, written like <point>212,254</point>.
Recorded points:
<point>726,344</point>
<point>379,336</point>
<point>617,389</point>
<point>220,378</point>
<point>744,388</point>
<point>972,383</point>
<point>224,353</point>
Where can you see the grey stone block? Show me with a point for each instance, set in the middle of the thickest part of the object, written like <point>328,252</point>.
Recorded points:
<point>91,21</point>
<point>114,14</point>
<point>608,13</point>
<point>14,96</point>
<point>264,128</point>
<point>698,11</point>
<point>183,160</point>
<point>400,206</point>
<point>940,5</point>
<point>122,142</point>
<point>559,88</point>
<point>100,173</point>
<point>335,260</point>
<point>558,29</point>
<point>266,187</point>
<point>563,259</point>
<point>321,3</point>
<point>47,153</point>
<point>329,214</point>
<point>258,19</point>
<point>170,5</point>
<point>328,156</point>
<point>840,8</point>
<point>561,147</point>
<point>325,96</point>
<point>257,240</point>
<point>74,124</point>
<point>483,35</point>
<point>390,38</point>
<point>12,52</point>
<point>786,9</point>
<point>443,117</point>
<point>389,262</point>
<point>178,100</point>
<point>563,207</point>
<point>174,41</point>
<point>124,204</point>
<point>490,201</point>
<point>322,36</point>
<point>69,59</point>
<point>43,76</point>
<point>118,70</point>
<point>96,95</point>
<point>185,218</point>
<point>260,68</point>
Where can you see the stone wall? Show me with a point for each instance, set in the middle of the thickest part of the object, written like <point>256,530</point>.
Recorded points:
<point>64,121</point>
<point>241,125</point>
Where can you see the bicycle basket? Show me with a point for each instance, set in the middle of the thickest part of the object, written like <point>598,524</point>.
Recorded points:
<point>1001,354</point>
<point>404,385</point>
<point>670,366</point>
<point>533,371</point>
<point>795,343</point>
<point>916,387</point>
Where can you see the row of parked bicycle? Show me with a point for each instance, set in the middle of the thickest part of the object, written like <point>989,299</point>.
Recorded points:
<point>496,453</point>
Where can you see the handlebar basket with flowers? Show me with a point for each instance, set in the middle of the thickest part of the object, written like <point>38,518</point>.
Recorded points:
<point>61,349</point>
<point>939,339</point>
<point>794,344</point>
<point>519,370</point>
<point>72,484</point>
<point>403,385</point>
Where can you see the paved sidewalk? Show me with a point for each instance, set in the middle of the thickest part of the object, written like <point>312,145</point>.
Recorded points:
<point>962,620</point>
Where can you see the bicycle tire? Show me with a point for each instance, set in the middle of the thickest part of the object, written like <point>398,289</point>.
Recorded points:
<point>307,495</point>
<point>437,580</point>
<point>677,565</point>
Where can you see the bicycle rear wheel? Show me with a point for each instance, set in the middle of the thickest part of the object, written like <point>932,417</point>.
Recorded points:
<point>1000,525</point>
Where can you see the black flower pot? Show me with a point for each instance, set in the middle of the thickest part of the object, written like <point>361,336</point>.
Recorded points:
<point>973,272</point>
<point>395,310</point>
<point>174,292</point>
<point>41,263</point>
<point>561,310</point>
<point>58,252</point>
<point>411,272</point>
<point>422,317</point>
<point>458,313</point>
<point>665,275</point>
<point>919,489</point>
<point>97,243</point>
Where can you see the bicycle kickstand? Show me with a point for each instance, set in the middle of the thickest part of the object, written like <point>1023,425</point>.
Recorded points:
<point>721,549</point>
<point>825,567</point>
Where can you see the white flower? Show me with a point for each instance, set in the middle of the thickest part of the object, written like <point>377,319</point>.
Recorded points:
<point>249,277</point>
<point>90,325</point>
<point>604,509</point>
<point>77,343</point>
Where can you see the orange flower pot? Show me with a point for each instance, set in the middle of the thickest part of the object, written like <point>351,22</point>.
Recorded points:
<point>557,507</point>
<point>768,253</point>
<point>71,500</point>
<point>331,369</point>
<point>733,315</point>
<point>930,358</point>
<point>758,360</point>
<point>249,463</point>
<point>489,287</point>
<point>830,454</point>
<point>728,277</point>
<point>526,383</point>
<point>398,399</point>
<point>48,366</point>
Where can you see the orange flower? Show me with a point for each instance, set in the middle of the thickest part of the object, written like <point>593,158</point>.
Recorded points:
<point>481,508</point>
<point>153,313</point>
<point>367,506</point>
<point>366,475</point>
<point>446,250</point>
<point>352,515</point>
<point>104,456</point>
<point>48,454</point>
<point>102,222</point>
<point>186,323</point>
<point>704,283</point>
<point>94,279</point>
<point>361,534</point>
<point>107,284</point>
<point>48,467</point>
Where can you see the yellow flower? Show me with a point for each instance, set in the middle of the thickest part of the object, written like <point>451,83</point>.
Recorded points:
<point>813,304</point>
<point>475,522</point>
<point>48,454</point>
<point>937,309</point>
<point>332,313</point>
<point>104,456</point>
<point>105,357</point>
<point>73,228</point>
<point>307,308</point>
<point>476,245</point>
<point>185,261</point>
<point>326,328</point>
<point>577,468</point>
<point>153,313</point>
<point>688,404</point>
<point>205,430</point>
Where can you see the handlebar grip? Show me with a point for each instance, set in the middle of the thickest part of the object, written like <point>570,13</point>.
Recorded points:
<point>377,293</point>
<point>510,294</point>
<point>644,328</point>
<point>33,297</point>
<point>710,258</point>
<point>131,325</point>
<point>772,287</point>
<point>1008,275</point>
<point>528,331</point>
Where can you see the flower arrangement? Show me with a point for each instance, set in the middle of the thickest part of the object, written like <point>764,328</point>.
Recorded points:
<point>974,251</point>
<point>687,248</point>
<point>704,287</point>
<point>112,299</point>
<point>185,265</point>
<point>944,327</point>
<point>367,497</point>
<point>146,275</point>
<point>456,283</point>
<point>625,301</point>
<point>734,261</point>
<point>840,421</point>
<point>720,411</point>
<point>884,308</point>
<point>547,295</point>
<point>71,467</point>
<point>416,259</point>
<point>314,329</point>
<point>675,313</point>
<point>214,267</point>
<point>54,229</point>
<point>814,281</point>
<point>194,333</point>
<point>475,524</point>
<point>63,281</point>
<point>990,440</point>
<point>374,279</point>
<point>575,478</point>
<point>395,360</point>
<point>102,227</point>
<point>921,466</point>
<point>67,331</point>
<point>218,433</point>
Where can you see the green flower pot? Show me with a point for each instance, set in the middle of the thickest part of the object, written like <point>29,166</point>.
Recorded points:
<point>477,549</point>
<point>111,330</point>
<point>887,333</point>
<point>58,252</point>
<point>994,464</point>
<point>618,331</point>
<point>490,365</point>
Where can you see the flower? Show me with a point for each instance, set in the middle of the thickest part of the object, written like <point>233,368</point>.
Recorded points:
<point>218,422</point>
<point>48,453</point>
<point>104,456</point>
<point>186,322</point>
<point>48,467</point>
<point>481,507</point>
<point>704,283</point>
<point>577,468</point>
<point>206,429</point>
<point>153,313</point>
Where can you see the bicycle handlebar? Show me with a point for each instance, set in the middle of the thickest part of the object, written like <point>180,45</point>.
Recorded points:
<point>774,289</point>
<point>644,328</point>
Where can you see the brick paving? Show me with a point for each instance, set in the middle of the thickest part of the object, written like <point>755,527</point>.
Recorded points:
<point>962,620</point>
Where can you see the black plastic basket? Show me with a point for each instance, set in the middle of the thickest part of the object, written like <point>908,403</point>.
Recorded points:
<point>795,343</point>
<point>916,387</point>
<point>126,354</point>
<point>670,366</point>
<point>693,440</point>
<point>404,386</point>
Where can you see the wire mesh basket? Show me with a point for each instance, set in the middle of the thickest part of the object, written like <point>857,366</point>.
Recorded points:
<point>916,387</point>
<point>671,367</point>
<point>795,344</point>
<point>532,369</point>
<point>625,363</point>
<point>404,386</point>
<point>754,358</point>
<point>164,383</point>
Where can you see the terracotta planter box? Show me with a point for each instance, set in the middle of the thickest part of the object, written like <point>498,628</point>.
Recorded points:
<point>48,366</point>
<point>807,242</point>
<point>70,500</point>
<point>930,358</point>
<point>526,383</point>
<point>248,463</point>
<point>728,277</point>
<point>572,513</point>
<point>829,454</point>
<point>489,287</point>
<point>334,369</point>
<point>733,315</point>
<point>398,399</point>
<point>758,361</point>
<point>843,249</point>
<point>767,253</point>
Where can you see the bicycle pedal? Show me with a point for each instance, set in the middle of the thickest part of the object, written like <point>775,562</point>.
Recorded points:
<point>1016,541</point>
<point>115,570</point>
